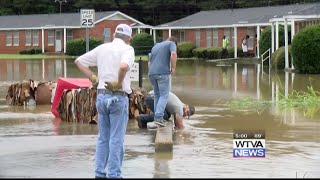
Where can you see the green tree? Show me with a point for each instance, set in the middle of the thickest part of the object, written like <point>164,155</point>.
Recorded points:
<point>265,39</point>
<point>305,50</point>
<point>142,43</point>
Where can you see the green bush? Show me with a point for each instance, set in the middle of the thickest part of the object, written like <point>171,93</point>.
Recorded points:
<point>199,52</point>
<point>23,51</point>
<point>37,50</point>
<point>213,53</point>
<point>231,52</point>
<point>31,51</point>
<point>77,47</point>
<point>142,43</point>
<point>185,49</point>
<point>278,58</point>
<point>305,50</point>
<point>265,39</point>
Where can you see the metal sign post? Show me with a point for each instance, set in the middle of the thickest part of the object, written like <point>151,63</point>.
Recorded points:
<point>87,21</point>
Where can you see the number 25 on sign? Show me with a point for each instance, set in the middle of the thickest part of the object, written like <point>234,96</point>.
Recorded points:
<point>87,18</point>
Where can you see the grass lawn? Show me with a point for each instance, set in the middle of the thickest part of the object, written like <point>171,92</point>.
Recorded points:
<point>33,56</point>
<point>44,56</point>
<point>143,58</point>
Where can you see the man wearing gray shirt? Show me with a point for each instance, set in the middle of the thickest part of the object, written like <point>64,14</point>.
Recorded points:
<point>174,107</point>
<point>162,64</point>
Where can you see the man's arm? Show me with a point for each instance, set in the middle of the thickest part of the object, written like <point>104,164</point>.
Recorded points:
<point>127,60</point>
<point>85,70</point>
<point>122,72</point>
<point>178,122</point>
<point>87,60</point>
<point>173,62</point>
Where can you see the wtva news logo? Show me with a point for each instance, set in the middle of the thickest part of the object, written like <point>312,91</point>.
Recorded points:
<point>249,144</point>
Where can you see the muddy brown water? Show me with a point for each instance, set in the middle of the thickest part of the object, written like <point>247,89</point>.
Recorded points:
<point>35,144</point>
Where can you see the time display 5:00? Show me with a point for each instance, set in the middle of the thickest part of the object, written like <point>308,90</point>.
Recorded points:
<point>248,135</point>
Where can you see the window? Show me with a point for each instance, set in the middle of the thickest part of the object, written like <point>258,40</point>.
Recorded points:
<point>9,38</point>
<point>215,38</point>
<point>16,38</point>
<point>69,35</point>
<point>251,34</point>
<point>35,37</point>
<point>182,36</point>
<point>50,37</point>
<point>198,38</point>
<point>107,35</point>
<point>208,35</point>
<point>28,38</point>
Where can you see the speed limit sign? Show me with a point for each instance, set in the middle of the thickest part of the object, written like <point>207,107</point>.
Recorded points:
<point>87,18</point>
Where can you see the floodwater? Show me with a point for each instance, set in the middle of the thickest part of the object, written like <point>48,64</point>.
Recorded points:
<point>36,145</point>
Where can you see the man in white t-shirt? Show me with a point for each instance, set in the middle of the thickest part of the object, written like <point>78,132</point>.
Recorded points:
<point>113,60</point>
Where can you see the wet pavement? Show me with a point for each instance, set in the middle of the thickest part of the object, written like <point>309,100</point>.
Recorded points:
<point>34,144</point>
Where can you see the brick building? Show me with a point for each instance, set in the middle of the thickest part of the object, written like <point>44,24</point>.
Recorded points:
<point>50,32</point>
<point>207,28</point>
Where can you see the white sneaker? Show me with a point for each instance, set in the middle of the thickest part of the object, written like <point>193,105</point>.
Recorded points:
<point>152,125</point>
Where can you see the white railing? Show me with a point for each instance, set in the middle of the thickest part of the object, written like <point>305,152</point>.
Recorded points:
<point>267,57</point>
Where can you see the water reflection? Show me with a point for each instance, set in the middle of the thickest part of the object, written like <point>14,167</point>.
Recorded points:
<point>162,165</point>
<point>45,69</point>
<point>33,137</point>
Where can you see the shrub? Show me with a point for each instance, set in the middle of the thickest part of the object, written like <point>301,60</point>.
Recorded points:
<point>305,50</point>
<point>77,47</point>
<point>199,52</point>
<point>185,49</point>
<point>265,39</point>
<point>31,51</point>
<point>37,50</point>
<point>23,51</point>
<point>213,53</point>
<point>231,52</point>
<point>278,58</point>
<point>142,43</point>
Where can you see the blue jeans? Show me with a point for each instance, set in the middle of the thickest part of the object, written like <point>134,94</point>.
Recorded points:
<point>145,118</point>
<point>161,87</point>
<point>112,125</point>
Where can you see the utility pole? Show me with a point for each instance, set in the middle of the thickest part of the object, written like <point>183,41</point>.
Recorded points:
<point>60,2</point>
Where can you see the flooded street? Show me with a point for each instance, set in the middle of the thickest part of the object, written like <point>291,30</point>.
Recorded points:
<point>34,144</point>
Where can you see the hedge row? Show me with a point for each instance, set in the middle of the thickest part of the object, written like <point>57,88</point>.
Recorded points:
<point>185,49</point>
<point>31,51</point>
<point>77,47</point>
<point>214,53</point>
